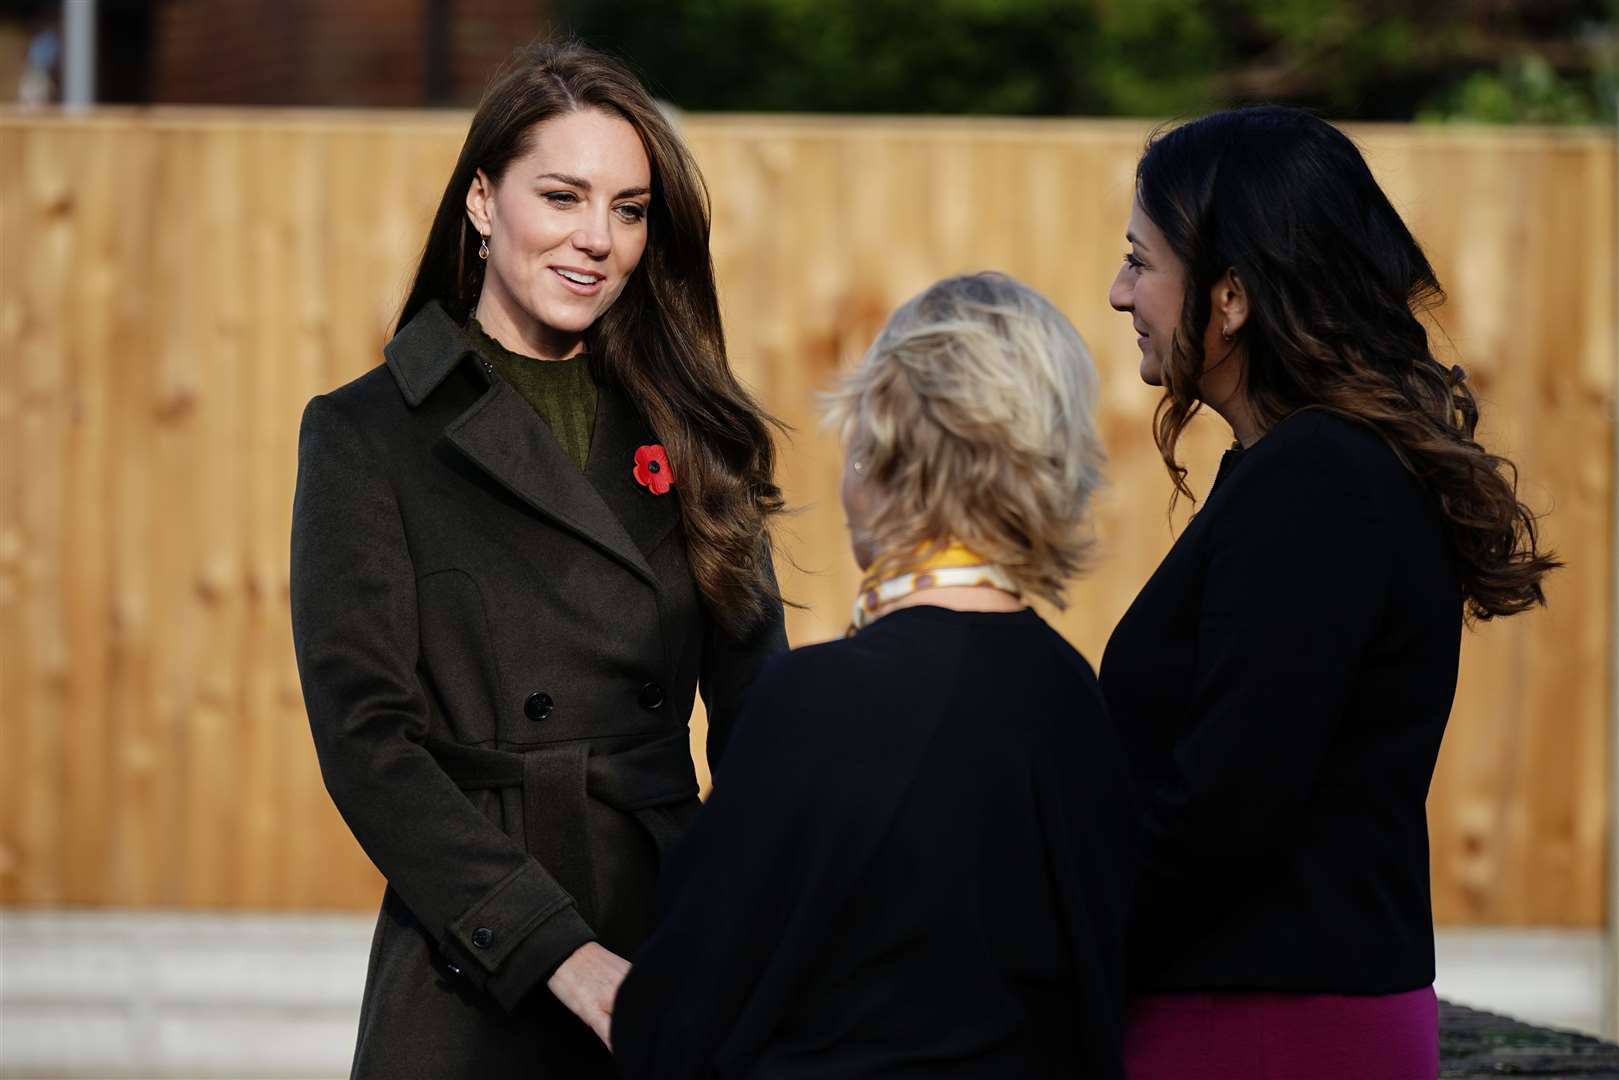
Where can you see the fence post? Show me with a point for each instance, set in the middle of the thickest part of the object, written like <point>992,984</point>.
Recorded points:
<point>79,53</point>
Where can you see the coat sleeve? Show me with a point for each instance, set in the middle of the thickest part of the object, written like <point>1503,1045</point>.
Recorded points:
<point>492,908</point>
<point>1296,581</point>
<point>730,664</point>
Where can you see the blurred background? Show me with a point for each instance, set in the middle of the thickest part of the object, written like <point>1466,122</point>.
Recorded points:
<point>1494,61</point>
<point>208,213</point>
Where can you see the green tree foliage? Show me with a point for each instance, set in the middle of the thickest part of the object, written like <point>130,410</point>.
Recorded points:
<point>1546,61</point>
<point>952,56</point>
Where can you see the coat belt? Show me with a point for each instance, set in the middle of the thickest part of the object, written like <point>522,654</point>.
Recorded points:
<point>648,780</point>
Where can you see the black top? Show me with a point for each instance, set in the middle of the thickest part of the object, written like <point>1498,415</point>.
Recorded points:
<point>1282,683</point>
<point>914,864</point>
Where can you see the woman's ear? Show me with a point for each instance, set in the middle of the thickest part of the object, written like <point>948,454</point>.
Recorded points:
<point>481,203</point>
<point>1228,304</point>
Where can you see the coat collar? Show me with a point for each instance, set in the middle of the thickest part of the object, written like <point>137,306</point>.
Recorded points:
<point>504,437</point>
<point>425,351</point>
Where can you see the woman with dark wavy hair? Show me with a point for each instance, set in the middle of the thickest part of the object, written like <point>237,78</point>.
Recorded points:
<point>520,547</point>
<point>1283,680</point>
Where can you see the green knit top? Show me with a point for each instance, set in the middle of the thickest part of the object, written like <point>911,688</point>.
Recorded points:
<point>561,391</point>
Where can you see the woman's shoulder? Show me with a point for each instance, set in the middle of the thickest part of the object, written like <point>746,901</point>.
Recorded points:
<point>867,708</point>
<point>929,654</point>
<point>350,411</point>
<point>837,687</point>
<point>824,710</point>
<point>367,415</point>
<point>1066,684</point>
<point>1065,657</point>
<point>1327,440</point>
<point>1322,480</point>
<point>1314,457</point>
<point>843,666</point>
<point>361,399</point>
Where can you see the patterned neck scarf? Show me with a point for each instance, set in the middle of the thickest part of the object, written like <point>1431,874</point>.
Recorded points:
<point>954,565</point>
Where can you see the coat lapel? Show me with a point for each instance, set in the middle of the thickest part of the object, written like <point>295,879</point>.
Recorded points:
<point>610,468</point>
<point>503,436</point>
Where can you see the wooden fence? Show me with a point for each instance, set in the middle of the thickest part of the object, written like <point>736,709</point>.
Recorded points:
<point>175,285</point>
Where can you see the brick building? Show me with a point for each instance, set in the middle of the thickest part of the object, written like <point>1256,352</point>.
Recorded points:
<point>355,53</point>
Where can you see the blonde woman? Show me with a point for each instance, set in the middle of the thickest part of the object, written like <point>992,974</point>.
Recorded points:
<point>916,858</point>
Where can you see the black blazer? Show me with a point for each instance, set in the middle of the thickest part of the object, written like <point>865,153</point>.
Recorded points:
<point>1283,681</point>
<point>916,864</point>
<point>499,656</point>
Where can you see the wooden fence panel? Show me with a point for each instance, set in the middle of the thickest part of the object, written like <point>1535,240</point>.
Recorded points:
<point>175,285</point>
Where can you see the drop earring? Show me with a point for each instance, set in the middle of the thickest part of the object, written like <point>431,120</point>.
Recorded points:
<point>483,247</point>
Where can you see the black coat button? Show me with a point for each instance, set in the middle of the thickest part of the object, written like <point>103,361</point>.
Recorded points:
<point>483,937</point>
<point>651,696</point>
<point>538,706</point>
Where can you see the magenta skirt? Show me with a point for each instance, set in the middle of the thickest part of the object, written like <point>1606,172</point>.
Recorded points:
<point>1246,1036</point>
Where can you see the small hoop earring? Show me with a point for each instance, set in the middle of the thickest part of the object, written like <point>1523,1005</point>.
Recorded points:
<point>483,247</point>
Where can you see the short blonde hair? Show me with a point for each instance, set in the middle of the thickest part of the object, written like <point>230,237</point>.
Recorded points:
<point>970,420</point>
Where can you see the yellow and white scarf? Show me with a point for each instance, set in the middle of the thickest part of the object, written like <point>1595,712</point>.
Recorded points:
<point>955,565</point>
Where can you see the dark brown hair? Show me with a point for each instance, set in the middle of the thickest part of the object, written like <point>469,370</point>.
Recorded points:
<point>661,340</point>
<point>1335,283</point>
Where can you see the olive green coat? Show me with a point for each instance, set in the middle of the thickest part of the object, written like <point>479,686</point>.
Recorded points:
<point>499,656</point>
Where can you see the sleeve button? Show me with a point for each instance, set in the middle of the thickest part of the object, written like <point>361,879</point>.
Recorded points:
<point>651,696</point>
<point>483,937</point>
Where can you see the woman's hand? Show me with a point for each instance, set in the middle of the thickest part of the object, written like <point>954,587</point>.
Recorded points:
<point>587,982</point>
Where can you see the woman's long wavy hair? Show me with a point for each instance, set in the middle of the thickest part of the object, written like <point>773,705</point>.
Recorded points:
<point>1335,283</point>
<point>661,340</point>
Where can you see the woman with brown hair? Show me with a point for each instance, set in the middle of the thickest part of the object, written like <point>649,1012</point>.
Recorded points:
<point>1284,678</point>
<point>520,547</point>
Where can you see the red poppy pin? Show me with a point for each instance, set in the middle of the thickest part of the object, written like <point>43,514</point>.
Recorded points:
<point>652,469</point>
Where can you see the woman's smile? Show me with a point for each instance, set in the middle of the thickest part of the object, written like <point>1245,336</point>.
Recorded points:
<point>581,282</point>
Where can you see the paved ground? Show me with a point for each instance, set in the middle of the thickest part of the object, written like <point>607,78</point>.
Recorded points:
<point>1474,1044</point>
<point>193,995</point>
